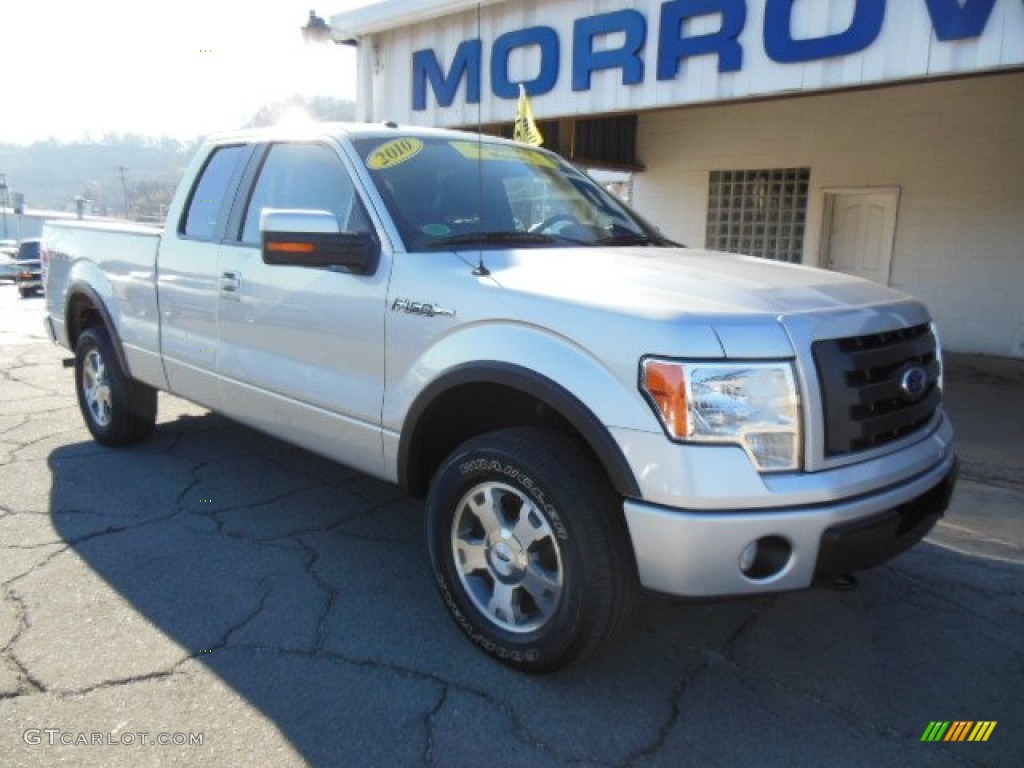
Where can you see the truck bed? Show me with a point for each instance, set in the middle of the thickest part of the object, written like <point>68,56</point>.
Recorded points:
<point>119,260</point>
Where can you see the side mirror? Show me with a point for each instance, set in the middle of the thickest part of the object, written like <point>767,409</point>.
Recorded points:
<point>313,239</point>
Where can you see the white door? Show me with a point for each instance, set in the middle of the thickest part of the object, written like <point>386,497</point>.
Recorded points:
<point>859,229</point>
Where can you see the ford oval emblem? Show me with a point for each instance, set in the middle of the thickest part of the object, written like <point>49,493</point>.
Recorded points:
<point>914,382</point>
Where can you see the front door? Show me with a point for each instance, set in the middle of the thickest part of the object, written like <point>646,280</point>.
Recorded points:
<point>301,350</point>
<point>859,229</point>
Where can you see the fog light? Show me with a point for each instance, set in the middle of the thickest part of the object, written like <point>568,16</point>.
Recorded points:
<point>765,557</point>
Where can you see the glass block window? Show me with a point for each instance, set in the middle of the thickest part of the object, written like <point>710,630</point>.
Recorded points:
<point>759,212</point>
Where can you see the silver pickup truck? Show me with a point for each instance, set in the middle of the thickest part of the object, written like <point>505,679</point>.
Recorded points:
<point>587,407</point>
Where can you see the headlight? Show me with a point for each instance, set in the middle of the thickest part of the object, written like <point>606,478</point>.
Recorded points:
<point>753,405</point>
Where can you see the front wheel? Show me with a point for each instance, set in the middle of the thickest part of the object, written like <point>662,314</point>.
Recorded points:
<point>117,409</point>
<point>529,547</point>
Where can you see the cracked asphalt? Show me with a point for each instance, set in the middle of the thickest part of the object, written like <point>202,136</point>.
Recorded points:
<point>216,584</point>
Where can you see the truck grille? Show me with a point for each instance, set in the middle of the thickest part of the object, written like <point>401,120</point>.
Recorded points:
<point>877,388</point>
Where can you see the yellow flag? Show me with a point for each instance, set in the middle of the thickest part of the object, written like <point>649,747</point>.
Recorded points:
<point>526,131</point>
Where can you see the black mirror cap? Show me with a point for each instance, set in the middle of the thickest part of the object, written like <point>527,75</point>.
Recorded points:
<point>353,252</point>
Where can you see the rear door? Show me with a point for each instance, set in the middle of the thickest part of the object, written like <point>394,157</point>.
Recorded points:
<point>301,349</point>
<point>188,284</point>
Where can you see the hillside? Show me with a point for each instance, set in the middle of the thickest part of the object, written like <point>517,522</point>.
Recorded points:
<point>145,170</point>
<point>52,174</point>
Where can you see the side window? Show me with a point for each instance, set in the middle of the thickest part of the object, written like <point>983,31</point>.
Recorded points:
<point>208,194</point>
<point>304,176</point>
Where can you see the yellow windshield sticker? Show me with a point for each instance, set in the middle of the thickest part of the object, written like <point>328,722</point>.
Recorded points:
<point>480,151</point>
<point>393,153</point>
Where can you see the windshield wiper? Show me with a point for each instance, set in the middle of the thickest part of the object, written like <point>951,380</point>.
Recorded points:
<point>634,238</point>
<point>499,238</point>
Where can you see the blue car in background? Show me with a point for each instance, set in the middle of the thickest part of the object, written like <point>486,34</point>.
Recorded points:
<point>8,260</point>
<point>29,271</point>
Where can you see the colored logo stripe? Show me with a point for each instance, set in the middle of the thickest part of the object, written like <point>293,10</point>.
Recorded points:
<point>958,730</point>
<point>982,731</point>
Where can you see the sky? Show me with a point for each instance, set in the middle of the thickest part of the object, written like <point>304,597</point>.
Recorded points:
<point>183,68</point>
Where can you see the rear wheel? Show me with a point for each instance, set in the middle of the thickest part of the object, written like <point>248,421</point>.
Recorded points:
<point>117,409</point>
<point>529,547</point>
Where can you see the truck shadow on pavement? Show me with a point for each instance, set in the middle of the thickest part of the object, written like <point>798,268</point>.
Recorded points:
<point>304,588</point>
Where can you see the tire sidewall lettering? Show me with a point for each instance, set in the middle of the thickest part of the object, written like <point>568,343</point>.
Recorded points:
<point>474,634</point>
<point>525,482</point>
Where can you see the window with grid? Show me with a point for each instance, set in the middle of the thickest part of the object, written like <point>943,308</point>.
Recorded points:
<point>758,212</point>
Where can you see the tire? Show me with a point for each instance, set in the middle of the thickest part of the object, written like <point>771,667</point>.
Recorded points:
<point>529,547</point>
<point>25,293</point>
<point>117,409</point>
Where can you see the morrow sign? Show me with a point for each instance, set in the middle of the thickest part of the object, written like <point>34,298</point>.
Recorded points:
<point>618,40</point>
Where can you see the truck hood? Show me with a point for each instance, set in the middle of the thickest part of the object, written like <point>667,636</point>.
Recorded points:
<point>669,282</point>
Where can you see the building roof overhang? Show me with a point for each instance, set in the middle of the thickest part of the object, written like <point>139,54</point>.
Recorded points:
<point>390,14</point>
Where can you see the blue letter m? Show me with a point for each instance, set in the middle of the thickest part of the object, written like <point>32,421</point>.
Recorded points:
<point>466,64</point>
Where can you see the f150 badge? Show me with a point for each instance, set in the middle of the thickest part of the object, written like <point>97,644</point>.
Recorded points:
<point>424,308</point>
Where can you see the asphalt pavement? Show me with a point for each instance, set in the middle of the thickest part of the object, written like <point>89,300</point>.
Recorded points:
<point>248,603</point>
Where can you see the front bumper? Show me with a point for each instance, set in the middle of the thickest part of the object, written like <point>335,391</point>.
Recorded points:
<point>861,544</point>
<point>699,554</point>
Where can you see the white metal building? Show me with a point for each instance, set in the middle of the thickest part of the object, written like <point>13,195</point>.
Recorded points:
<point>17,223</point>
<point>878,137</point>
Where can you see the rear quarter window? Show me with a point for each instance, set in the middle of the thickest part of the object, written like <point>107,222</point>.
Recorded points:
<point>206,205</point>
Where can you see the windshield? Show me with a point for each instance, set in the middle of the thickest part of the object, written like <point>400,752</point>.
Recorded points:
<point>461,193</point>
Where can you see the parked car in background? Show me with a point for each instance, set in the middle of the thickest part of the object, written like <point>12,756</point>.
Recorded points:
<point>8,267</point>
<point>29,248</point>
<point>8,255</point>
<point>29,274</point>
<point>29,277</point>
